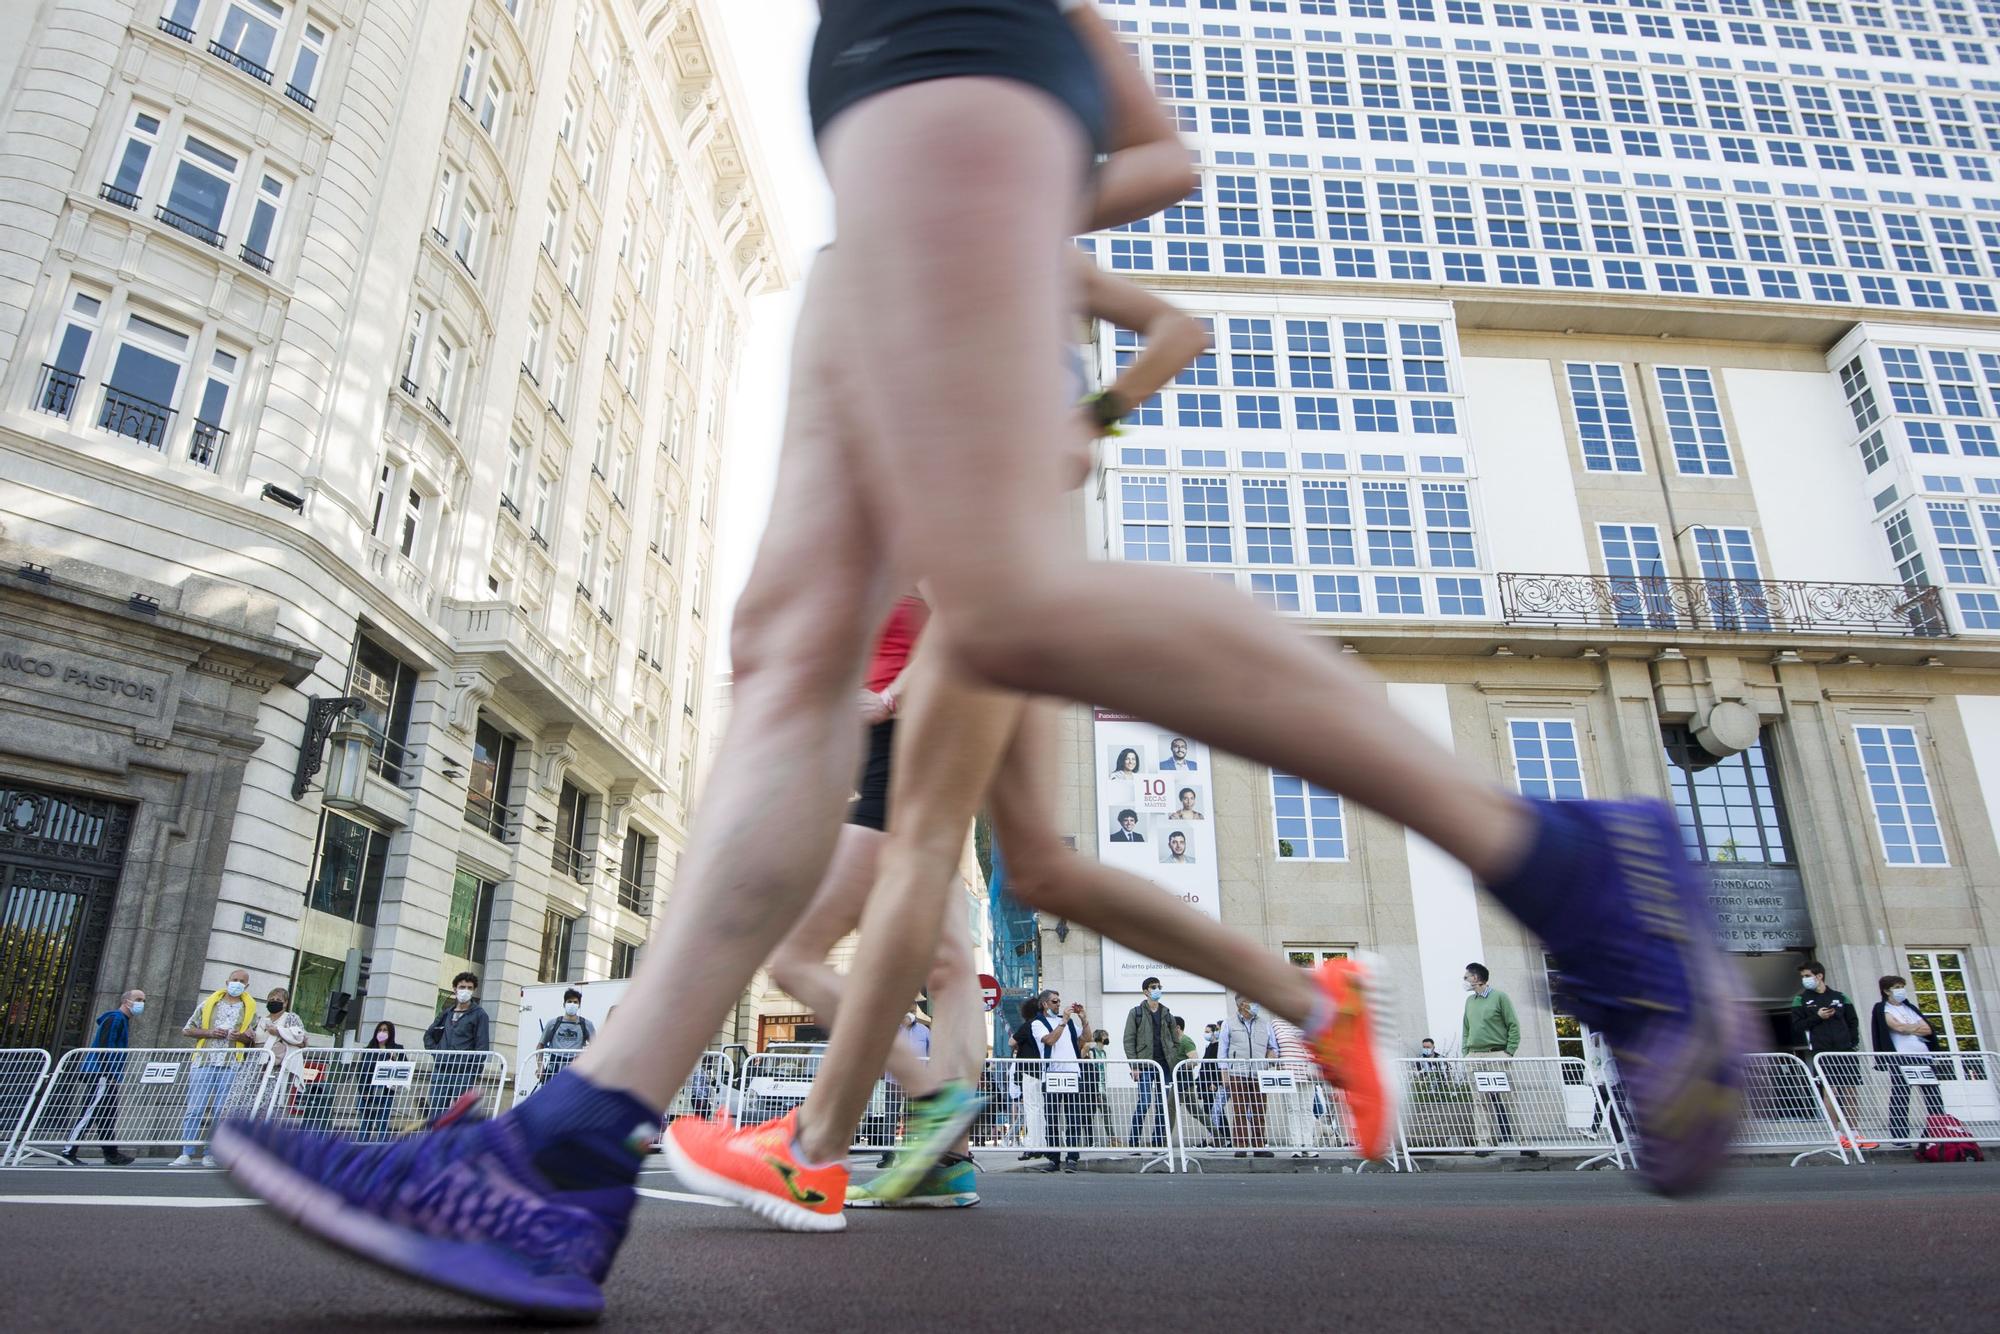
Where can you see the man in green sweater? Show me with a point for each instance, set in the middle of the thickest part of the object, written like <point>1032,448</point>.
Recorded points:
<point>1489,1035</point>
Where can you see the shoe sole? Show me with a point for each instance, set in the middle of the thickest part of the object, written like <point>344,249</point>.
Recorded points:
<point>959,1201</point>
<point>465,1268</point>
<point>897,1182</point>
<point>779,1213</point>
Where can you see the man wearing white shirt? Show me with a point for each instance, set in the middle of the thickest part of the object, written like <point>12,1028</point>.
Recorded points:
<point>1061,1038</point>
<point>1247,1039</point>
<point>1900,1027</point>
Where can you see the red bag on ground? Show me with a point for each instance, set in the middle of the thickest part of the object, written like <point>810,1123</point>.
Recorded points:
<point>1946,1140</point>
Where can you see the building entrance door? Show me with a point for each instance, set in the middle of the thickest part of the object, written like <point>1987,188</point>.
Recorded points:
<point>60,855</point>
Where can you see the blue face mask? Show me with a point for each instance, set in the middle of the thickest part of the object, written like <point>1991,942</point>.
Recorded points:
<point>1153,994</point>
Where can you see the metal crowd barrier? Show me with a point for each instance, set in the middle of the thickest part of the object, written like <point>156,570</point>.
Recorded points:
<point>142,1098</point>
<point>1783,1109</point>
<point>1085,1108</point>
<point>22,1072</point>
<point>1504,1104</point>
<point>1258,1108</point>
<point>1887,1097</point>
<point>372,1094</point>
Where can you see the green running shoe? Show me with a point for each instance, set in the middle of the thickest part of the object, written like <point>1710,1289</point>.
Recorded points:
<point>931,1125</point>
<point>951,1183</point>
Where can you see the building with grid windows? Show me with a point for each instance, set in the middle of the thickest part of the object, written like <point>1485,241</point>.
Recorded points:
<point>363,369</point>
<point>1620,382</point>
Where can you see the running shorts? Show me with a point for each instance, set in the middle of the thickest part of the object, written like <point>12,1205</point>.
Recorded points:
<point>865,47</point>
<point>871,807</point>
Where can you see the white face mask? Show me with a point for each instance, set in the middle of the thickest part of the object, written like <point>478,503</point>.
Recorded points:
<point>464,995</point>
<point>570,1009</point>
<point>138,1007</point>
<point>1898,994</point>
<point>236,988</point>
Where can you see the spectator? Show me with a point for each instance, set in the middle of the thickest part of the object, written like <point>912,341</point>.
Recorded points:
<point>1898,1026</point>
<point>1824,1021</point>
<point>1301,1107</point>
<point>225,1017</point>
<point>563,1037</point>
<point>378,1096</point>
<point>1058,1033</point>
<point>280,1032</point>
<point>1096,1108</point>
<point>101,1075</point>
<point>461,1035</point>
<point>1182,1041</point>
<point>1150,1036</point>
<point>1247,1041</point>
<point>1429,1050</point>
<point>1028,1102</point>
<point>1202,1094</point>
<point>1489,1035</point>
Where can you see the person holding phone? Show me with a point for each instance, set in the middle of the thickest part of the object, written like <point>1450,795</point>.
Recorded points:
<point>1059,1033</point>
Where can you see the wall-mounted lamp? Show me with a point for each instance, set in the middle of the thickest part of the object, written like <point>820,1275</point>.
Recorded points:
<point>321,715</point>
<point>347,765</point>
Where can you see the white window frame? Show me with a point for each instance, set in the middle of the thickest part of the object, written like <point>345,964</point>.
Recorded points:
<point>1893,735</point>
<point>1307,795</point>
<point>1690,399</point>
<point>1547,732</point>
<point>1925,967</point>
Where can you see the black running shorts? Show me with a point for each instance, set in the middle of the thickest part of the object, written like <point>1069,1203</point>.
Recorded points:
<point>865,47</point>
<point>871,808</point>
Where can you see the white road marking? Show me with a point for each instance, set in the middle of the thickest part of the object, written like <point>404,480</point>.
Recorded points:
<point>142,1201</point>
<point>682,1197</point>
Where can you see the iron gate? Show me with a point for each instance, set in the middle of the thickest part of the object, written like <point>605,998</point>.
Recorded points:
<point>60,855</point>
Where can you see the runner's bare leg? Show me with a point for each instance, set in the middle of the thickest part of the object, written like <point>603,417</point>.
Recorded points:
<point>799,965</point>
<point>960,730</point>
<point>946,404</point>
<point>769,817</point>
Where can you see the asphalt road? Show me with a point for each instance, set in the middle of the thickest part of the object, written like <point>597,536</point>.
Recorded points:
<point>1816,1248</point>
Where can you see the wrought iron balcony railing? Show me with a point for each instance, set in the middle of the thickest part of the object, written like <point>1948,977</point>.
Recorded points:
<point>140,418</point>
<point>187,226</point>
<point>206,444</point>
<point>57,393</point>
<point>118,195</point>
<point>1742,606</point>
<point>242,62</point>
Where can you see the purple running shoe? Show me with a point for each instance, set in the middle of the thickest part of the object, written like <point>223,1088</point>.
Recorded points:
<point>462,1208</point>
<point>1640,963</point>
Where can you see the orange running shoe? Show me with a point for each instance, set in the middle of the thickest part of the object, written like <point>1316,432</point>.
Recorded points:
<point>1353,1052</point>
<point>756,1168</point>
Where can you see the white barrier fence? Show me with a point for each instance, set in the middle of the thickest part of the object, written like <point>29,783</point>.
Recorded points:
<point>1889,1098</point>
<point>1783,1109</point>
<point>1504,1104</point>
<point>1068,1110</point>
<point>373,1094</point>
<point>142,1097</point>
<point>23,1071</point>
<point>1258,1108</point>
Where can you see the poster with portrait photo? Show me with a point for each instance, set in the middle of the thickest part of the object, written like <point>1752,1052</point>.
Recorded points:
<point>1161,781</point>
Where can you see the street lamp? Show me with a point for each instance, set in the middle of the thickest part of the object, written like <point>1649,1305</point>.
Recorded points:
<point>321,715</point>
<point>347,765</point>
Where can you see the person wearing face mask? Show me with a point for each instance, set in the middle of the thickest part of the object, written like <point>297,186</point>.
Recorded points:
<point>1897,1026</point>
<point>1059,1034</point>
<point>1150,1035</point>
<point>280,1029</point>
<point>378,1100</point>
<point>1489,1031</point>
<point>223,1024</point>
<point>1247,1040</point>
<point>100,1076</point>
<point>563,1037</point>
<point>461,1036</point>
<point>1825,1020</point>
